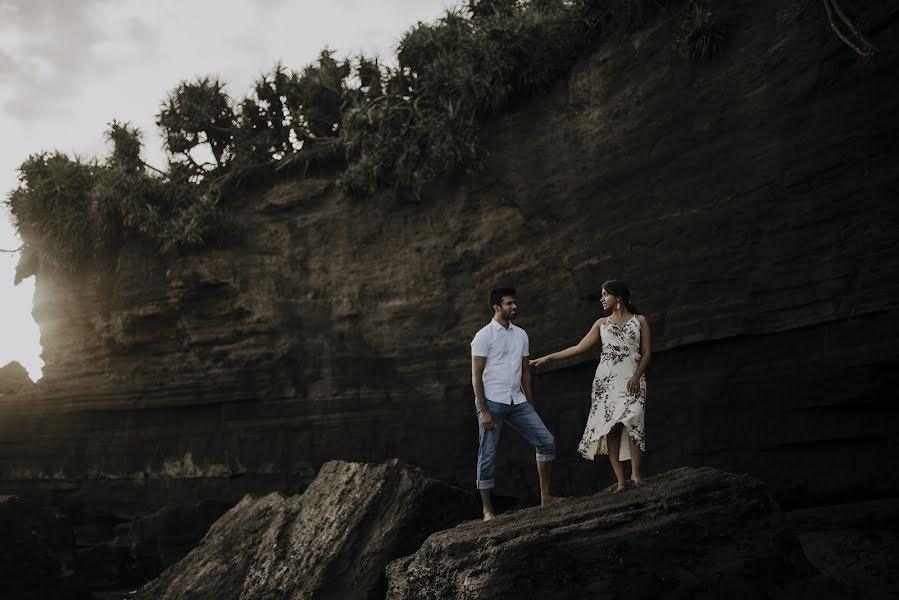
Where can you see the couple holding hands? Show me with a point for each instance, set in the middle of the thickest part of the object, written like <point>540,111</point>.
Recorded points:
<point>502,386</point>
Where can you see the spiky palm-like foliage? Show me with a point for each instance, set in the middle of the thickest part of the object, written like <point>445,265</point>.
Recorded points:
<point>69,211</point>
<point>702,35</point>
<point>50,205</point>
<point>452,75</point>
<point>195,113</point>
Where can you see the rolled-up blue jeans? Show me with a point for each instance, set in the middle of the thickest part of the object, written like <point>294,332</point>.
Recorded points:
<point>522,418</point>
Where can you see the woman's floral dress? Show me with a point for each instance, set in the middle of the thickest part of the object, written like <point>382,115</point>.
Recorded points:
<point>612,403</point>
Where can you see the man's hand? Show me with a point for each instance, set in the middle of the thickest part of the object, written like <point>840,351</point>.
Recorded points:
<point>487,419</point>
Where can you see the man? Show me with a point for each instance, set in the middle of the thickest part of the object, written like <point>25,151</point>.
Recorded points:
<point>502,390</point>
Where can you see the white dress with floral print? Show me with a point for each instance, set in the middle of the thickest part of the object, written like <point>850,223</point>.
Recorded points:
<point>612,403</point>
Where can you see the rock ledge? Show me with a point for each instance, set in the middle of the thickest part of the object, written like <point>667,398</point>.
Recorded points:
<point>689,533</point>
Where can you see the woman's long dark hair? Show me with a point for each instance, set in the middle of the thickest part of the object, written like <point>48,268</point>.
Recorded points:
<point>620,289</point>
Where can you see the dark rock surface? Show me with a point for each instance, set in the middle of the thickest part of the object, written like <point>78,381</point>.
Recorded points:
<point>37,554</point>
<point>857,544</point>
<point>143,547</point>
<point>14,378</point>
<point>749,200</point>
<point>689,533</point>
<point>333,541</point>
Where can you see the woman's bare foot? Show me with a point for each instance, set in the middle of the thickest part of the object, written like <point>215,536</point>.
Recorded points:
<point>619,487</point>
<point>637,481</point>
<point>488,515</point>
<point>550,500</point>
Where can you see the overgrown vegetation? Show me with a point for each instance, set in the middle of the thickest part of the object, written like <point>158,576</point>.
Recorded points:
<point>69,210</point>
<point>395,128</point>
<point>387,127</point>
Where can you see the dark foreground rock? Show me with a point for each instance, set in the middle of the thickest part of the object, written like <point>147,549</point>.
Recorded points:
<point>37,554</point>
<point>143,547</point>
<point>333,541</point>
<point>690,533</point>
<point>856,544</point>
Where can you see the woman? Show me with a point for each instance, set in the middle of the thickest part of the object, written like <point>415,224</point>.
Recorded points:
<point>615,424</point>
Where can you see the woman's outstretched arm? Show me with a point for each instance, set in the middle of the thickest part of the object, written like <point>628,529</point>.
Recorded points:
<point>585,344</point>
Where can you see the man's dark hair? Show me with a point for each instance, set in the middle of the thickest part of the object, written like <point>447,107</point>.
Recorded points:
<point>496,296</point>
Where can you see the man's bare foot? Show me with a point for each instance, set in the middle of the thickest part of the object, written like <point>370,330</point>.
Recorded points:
<point>619,487</point>
<point>638,482</point>
<point>550,500</point>
<point>488,515</point>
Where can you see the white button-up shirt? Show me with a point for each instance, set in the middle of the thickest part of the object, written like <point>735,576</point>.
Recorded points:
<point>504,349</point>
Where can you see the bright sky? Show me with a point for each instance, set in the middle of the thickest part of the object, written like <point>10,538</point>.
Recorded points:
<point>69,67</point>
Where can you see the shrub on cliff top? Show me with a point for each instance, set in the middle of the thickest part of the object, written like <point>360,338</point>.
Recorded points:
<point>701,34</point>
<point>69,210</point>
<point>454,74</point>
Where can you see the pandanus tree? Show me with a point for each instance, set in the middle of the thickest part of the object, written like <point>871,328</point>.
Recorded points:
<point>288,109</point>
<point>195,113</point>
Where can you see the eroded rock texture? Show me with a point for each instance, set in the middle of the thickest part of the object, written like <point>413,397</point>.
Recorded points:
<point>689,533</point>
<point>749,200</point>
<point>333,541</point>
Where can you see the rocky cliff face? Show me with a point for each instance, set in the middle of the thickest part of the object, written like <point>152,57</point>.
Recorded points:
<point>748,200</point>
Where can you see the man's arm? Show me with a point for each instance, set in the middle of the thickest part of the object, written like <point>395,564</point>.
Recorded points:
<point>478,364</point>
<point>526,379</point>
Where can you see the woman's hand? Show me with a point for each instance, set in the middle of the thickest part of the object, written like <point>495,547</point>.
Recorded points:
<point>539,362</point>
<point>633,385</point>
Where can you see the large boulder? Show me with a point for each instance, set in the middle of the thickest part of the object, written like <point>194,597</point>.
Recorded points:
<point>856,544</point>
<point>14,378</point>
<point>690,533</point>
<point>333,541</point>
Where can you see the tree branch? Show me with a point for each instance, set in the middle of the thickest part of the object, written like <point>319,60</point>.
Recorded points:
<point>831,6</point>
<point>19,249</point>
<point>152,168</point>
<point>858,34</point>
